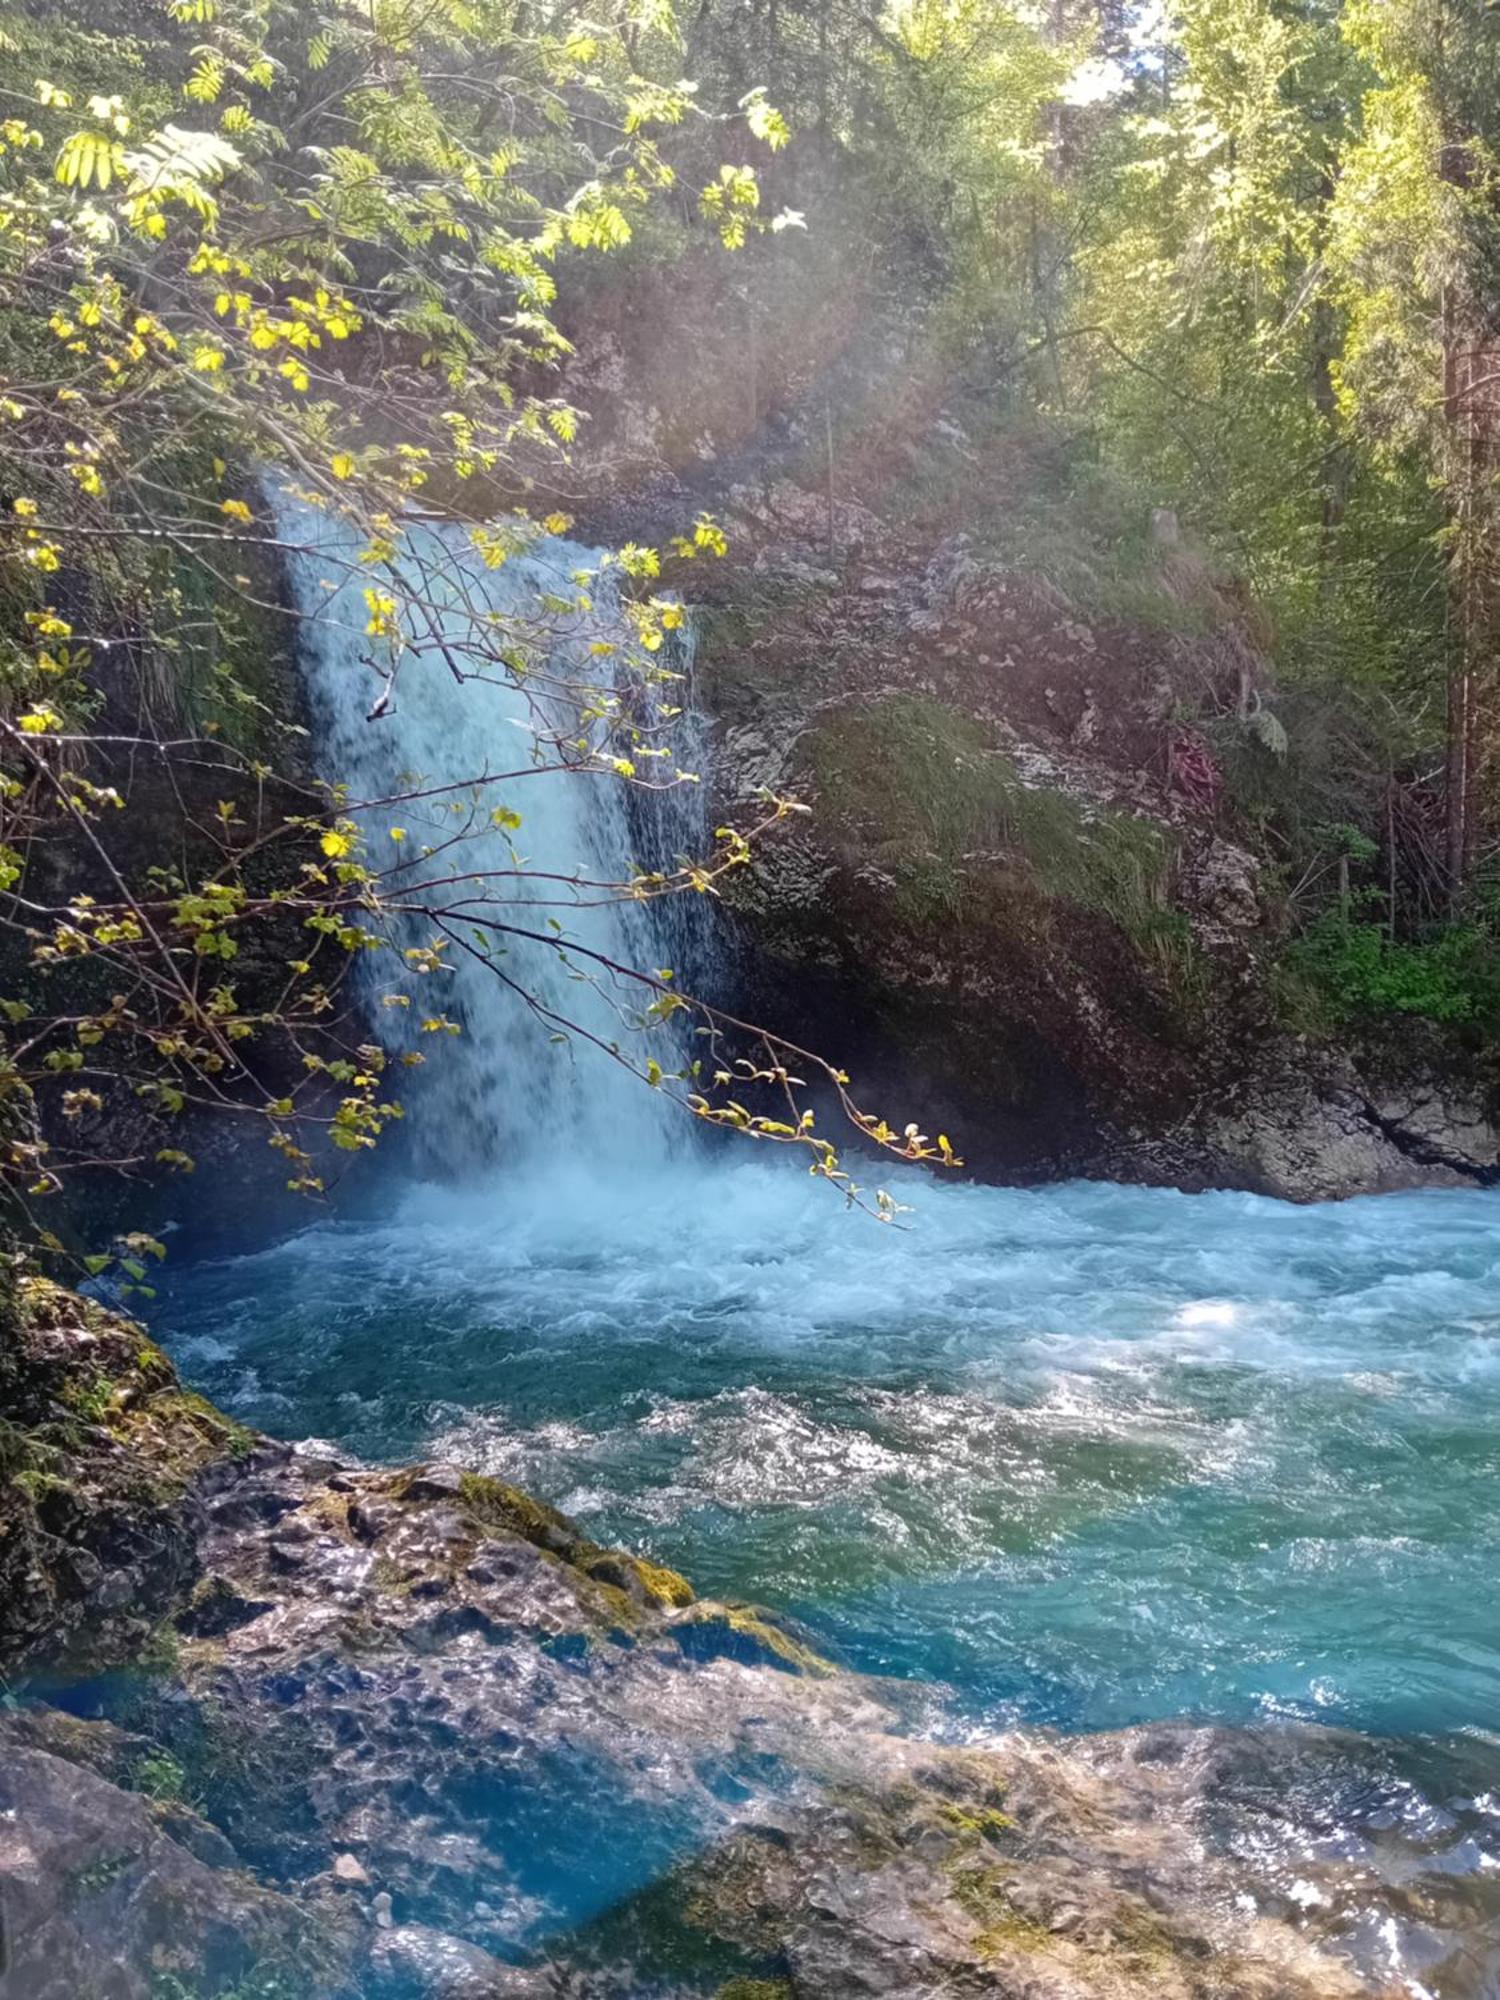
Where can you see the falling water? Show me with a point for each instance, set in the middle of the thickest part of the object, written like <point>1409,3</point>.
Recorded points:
<point>527,1078</point>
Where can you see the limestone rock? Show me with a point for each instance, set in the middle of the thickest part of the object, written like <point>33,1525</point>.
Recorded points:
<point>513,1736</point>
<point>100,1900</point>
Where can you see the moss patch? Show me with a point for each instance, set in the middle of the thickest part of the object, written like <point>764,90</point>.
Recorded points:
<point>980,1822</point>
<point>180,1432</point>
<point>638,1578</point>
<point>99,1449</point>
<point>498,1505</point>
<point>737,1632</point>
<point>629,1580</point>
<point>69,1350</point>
<point>917,787</point>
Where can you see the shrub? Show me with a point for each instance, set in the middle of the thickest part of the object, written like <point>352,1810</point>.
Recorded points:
<point>1355,970</point>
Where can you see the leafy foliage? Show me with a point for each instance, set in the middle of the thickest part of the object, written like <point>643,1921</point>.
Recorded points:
<point>244,240</point>
<point>1353,970</point>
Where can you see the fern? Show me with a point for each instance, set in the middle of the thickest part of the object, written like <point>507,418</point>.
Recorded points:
<point>173,156</point>
<point>206,81</point>
<point>1269,732</point>
<point>89,159</point>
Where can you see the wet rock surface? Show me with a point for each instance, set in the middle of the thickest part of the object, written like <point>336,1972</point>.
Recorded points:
<point>100,1446</point>
<point>104,1894</point>
<point>993,1876</point>
<point>411,1733</point>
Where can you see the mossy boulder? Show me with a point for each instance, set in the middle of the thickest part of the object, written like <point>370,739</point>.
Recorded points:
<point>493,1506</point>
<point>751,1636</point>
<point>101,1452</point>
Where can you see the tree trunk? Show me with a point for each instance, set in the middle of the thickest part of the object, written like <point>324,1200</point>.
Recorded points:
<point>1457,839</point>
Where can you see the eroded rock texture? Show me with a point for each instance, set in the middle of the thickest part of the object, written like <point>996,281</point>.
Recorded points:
<point>412,1734</point>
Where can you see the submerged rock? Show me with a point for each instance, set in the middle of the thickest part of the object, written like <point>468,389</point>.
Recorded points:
<point>409,1959</point>
<point>467,1752</point>
<point>1019,1872</point>
<point>100,1898</point>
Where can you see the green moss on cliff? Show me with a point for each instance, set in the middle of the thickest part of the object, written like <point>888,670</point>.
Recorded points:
<point>915,784</point>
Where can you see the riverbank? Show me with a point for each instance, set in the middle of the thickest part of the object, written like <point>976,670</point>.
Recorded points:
<point>411,1733</point>
<point>291,1777</point>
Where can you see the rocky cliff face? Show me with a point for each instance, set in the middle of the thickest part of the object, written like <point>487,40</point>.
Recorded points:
<point>411,1734</point>
<point>1020,910</point>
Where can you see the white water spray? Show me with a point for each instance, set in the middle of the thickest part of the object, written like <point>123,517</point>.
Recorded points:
<point>524,1081</point>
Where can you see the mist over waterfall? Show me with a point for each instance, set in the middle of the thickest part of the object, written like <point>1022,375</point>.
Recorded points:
<point>522,1079</point>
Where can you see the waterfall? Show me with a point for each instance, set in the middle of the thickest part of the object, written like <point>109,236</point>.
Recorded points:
<point>522,1080</point>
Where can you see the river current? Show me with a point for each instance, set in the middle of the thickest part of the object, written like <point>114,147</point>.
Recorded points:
<point>1091,1455</point>
<point>1077,1457</point>
<point>1080,1456</point>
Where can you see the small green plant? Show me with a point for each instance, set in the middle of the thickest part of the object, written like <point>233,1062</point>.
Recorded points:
<point>93,1399</point>
<point>162,1778</point>
<point>1346,840</point>
<point>1351,968</point>
<point>99,1874</point>
<point>38,1484</point>
<point>15,1449</point>
<point>161,1655</point>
